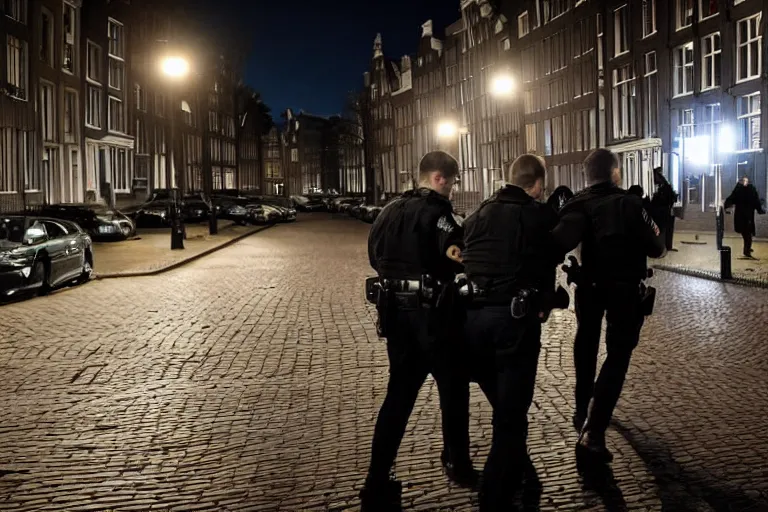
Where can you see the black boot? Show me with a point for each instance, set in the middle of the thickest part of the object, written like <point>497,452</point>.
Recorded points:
<point>579,418</point>
<point>462,474</point>
<point>592,446</point>
<point>382,496</point>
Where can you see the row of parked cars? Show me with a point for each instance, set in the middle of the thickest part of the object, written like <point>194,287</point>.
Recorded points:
<point>355,207</point>
<point>51,246</point>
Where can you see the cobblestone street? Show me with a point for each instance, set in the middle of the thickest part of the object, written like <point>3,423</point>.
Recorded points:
<point>251,379</point>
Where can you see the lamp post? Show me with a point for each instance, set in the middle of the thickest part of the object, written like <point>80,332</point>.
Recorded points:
<point>174,69</point>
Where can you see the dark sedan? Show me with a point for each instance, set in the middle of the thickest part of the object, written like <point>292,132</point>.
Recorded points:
<point>41,253</point>
<point>100,222</point>
<point>156,211</point>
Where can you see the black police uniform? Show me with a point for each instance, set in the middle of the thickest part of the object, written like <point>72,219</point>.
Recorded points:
<point>507,250</point>
<point>617,237</point>
<point>407,247</point>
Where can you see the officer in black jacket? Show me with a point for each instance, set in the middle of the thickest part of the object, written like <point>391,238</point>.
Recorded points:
<point>415,247</point>
<point>508,256</point>
<point>617,237</point>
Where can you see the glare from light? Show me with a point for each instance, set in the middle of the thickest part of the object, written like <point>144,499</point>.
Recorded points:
<point>447,129</point>
<point>727,140</point>
<point>175,67</point>
<point>503,86</point>
<point>697,150</point>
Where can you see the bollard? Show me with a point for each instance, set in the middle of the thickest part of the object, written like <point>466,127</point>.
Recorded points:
<point>725,263</point>
<point>719,227</point>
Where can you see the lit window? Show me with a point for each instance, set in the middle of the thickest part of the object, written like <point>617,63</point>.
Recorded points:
<point>624,102</point>
<point>749,122</point>
<point>523,25</point>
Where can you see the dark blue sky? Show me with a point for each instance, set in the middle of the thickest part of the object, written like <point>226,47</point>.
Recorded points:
<point>307,54</point>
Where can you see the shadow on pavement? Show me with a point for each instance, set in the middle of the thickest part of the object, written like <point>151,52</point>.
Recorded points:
<point>686,490</point>
<point>599,479</point>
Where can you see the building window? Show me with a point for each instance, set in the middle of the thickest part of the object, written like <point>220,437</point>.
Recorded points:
<point>711,56</point>
<point>553,8</point>
<point>187,115</point>
<point>94,63</point>
<point>683,13</point>
<point>651,79</point>
<point>749,51</point>
<point>140,97</point>
<point>294,155</point>
<point>116,55</point>
<point>749,122</point>
<point>48,111</point>
<point>70,116</point>
<point>505,44</point>
<point>142,142</point>
<point>116,115</point>
<point>624,107</point>
<point>649,17</point>
<point>46,36</point>
<point>93,107</point>
<point>121,175</point>
<point>70,17</point>
<point>17,68</point>
<point>600,40</point>
<point>523,25</point>
<point>621,30</point>
<point>708,8</point>
<point>160,105</point>
<point>16,10</point>
<point>683,61</point>
<point>116,39</point>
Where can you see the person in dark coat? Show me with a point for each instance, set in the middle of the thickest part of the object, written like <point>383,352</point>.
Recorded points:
<point>638,191</point>
<point>559,197</point>
<point>661,205</point>
<point>746,202</point>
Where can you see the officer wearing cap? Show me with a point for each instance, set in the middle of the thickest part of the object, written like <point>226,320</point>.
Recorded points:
<point>508,257</point>
<point>617,236</point>
<point>415,247</point>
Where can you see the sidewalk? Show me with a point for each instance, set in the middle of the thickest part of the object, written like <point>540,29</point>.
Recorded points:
<point>698,252</point>
<point>150,251</point>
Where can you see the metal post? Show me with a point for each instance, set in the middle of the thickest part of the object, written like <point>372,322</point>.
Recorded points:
<point>725,251</point>
<point>177,223</point>
<point>213,227</point>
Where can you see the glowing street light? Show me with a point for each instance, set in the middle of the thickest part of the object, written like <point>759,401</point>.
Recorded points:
<point>503,86</point>
<point>175,67</point>
<point>447,129</point>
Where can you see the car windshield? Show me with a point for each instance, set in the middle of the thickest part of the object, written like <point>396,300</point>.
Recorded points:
<point>11,230</point>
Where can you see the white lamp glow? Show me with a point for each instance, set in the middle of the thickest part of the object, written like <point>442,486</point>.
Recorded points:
<point>447,129</point>
<point>503,86</point>
<point>175,67</point>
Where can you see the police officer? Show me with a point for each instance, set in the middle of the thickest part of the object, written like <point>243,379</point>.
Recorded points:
<point>617,237</point>
<point>508,253</point>
<point>415,247</point>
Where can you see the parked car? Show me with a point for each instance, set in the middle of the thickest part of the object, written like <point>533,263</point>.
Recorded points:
<point>283,205</point>
<point>39,254</point>
<point>195,208</point>
<point>368,213</point>
<point>99,221</point>
<point>309,204</point>
<point>265,214</point>
<point>156,211</point>
<point>232,208</point>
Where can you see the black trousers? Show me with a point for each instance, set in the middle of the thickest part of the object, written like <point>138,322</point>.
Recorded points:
<point>415,352</point>
<point>747,243</point>
<point>504,355</point>
<point>621,307</point>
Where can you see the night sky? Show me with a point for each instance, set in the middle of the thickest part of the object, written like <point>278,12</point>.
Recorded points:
<point>306,54</point>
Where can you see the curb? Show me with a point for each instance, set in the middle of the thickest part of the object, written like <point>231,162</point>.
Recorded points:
<point>714,276</point>
<point>177,264</point>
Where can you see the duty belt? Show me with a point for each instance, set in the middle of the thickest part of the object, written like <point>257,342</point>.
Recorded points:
<point>426,288</point>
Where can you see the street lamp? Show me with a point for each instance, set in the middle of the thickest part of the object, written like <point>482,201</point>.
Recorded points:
<point>503,86</point>
<point>174,68</point>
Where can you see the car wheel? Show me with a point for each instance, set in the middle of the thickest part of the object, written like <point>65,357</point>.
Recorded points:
<point>85,275</point>
<point>43,269</point>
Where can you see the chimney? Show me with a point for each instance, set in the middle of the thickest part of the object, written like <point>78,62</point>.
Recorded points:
<point>426,29</point>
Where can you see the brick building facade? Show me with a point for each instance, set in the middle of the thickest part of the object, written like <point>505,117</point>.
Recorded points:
<point>85,111</point>
<point>674,84</point>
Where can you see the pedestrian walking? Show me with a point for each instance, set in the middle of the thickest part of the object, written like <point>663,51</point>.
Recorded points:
<point>746,202</point>
<point>616,235</point>
<point>415,247</point>
<point>509,259</point>
<point>661,207</point>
